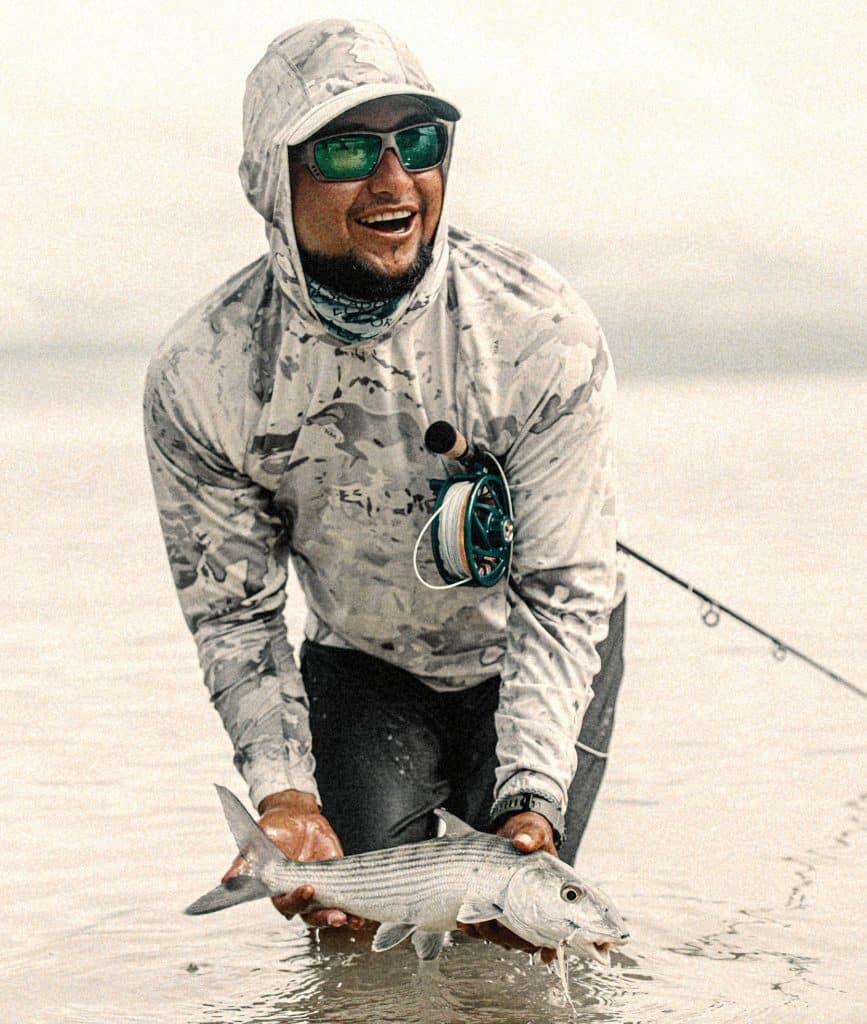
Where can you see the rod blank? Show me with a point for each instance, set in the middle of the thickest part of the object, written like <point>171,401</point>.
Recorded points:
<point>781,648</point>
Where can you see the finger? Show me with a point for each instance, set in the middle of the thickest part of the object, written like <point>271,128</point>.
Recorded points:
<point>528,832</point>
<point>504,937</point>
<point>483,930</point>
<point>487,930</point>
<point>237,867</point>
<point>511,941</point>
<point>296,902</point>
<point>327,917</point>
<point>530,838</point>
<point>494,932</point>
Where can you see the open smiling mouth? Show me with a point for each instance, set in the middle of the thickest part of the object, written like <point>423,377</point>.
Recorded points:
<point>396,222</point>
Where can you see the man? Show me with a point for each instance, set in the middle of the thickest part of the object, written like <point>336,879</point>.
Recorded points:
<point>285,418</point>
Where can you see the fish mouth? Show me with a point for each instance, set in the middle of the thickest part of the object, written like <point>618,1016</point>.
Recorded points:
<point>596,949</point>
<point>601,952</point>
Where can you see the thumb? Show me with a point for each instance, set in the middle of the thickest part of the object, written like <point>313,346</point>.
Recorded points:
<point>529,838</point>
<point>529,831</point>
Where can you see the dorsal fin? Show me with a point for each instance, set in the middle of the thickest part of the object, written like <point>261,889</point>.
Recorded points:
<point>454,826</point>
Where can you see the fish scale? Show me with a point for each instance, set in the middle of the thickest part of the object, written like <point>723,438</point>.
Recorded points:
<point>425,889</point>
<point>416,874</point>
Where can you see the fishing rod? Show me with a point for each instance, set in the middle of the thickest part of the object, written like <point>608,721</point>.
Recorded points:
<point>710,615</point>
<point>472,529</point>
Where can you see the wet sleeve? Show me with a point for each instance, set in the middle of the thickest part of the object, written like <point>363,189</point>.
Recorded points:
<point>562,579</point>
<point>225,544</point>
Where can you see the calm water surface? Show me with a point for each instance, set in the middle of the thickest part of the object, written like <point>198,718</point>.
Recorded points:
<point>731,830</point>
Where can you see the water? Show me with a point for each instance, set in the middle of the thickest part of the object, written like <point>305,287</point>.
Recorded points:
<point>731,830</point>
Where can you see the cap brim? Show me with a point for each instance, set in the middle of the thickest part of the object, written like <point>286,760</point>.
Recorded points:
<point>344,101</point>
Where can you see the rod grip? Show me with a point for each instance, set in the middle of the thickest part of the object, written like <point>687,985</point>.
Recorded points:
<point>442,438</point>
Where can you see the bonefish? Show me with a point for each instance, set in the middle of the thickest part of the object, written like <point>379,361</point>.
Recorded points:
<point>425,889</point>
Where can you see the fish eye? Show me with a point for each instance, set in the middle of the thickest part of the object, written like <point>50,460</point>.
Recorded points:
<point>571,893</point>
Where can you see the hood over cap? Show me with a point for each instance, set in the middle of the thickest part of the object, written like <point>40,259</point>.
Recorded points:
<point>310,75</point>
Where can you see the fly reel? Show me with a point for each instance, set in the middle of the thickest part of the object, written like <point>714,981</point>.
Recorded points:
<point>472,528</point>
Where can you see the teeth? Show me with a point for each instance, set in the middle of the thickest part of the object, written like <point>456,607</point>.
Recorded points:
<point>377,218</point>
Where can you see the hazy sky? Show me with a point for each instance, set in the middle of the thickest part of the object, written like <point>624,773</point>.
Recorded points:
<point>697,169</point>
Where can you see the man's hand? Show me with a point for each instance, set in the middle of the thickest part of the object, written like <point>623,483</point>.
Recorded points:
<point>292,821</point>
<point>529,832</point>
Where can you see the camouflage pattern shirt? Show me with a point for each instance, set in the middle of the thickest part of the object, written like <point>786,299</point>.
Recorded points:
<point>271,440</point>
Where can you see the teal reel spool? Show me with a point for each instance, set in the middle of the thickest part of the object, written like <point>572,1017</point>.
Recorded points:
<point>472,535</point>
<point>472,529</point>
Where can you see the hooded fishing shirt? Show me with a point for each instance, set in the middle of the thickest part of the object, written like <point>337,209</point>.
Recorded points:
<point>270,439</point>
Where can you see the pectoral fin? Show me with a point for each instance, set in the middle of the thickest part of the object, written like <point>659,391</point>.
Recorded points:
<point>390,933</point>
<point>428,945</point>
<point>472,911</point>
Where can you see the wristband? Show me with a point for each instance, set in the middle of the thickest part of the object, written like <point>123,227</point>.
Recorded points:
<point>506,806</point>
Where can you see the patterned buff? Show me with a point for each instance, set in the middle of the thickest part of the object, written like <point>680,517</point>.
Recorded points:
<point>354,320</point>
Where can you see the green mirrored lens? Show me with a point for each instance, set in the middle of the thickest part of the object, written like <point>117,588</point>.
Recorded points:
<point>346,156</point>
<point>421,146</point>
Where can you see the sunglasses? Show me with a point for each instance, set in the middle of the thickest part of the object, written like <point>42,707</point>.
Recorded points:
<point>352,156</point>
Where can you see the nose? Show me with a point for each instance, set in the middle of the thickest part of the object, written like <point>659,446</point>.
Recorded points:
<point>624,936</point>
<point>389,175</point>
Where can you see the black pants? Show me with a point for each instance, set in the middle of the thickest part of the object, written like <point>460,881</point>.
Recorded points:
<point>389,750</point>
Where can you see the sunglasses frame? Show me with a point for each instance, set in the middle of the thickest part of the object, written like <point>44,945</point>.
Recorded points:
<point>387,140</point>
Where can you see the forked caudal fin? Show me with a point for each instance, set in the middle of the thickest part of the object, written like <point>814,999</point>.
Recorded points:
<point>254,846</point>
<point>239,889</point>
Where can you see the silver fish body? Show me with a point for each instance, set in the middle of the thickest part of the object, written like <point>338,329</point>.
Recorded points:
<point>424,889</point>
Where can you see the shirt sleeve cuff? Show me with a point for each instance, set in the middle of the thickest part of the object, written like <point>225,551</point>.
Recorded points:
<point>266,778</point>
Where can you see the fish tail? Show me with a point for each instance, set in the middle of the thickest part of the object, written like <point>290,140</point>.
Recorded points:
<point>255,847</point>
<point>239,889</point>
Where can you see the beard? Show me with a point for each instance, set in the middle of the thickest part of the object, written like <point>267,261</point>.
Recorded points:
<point>347,276</point>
